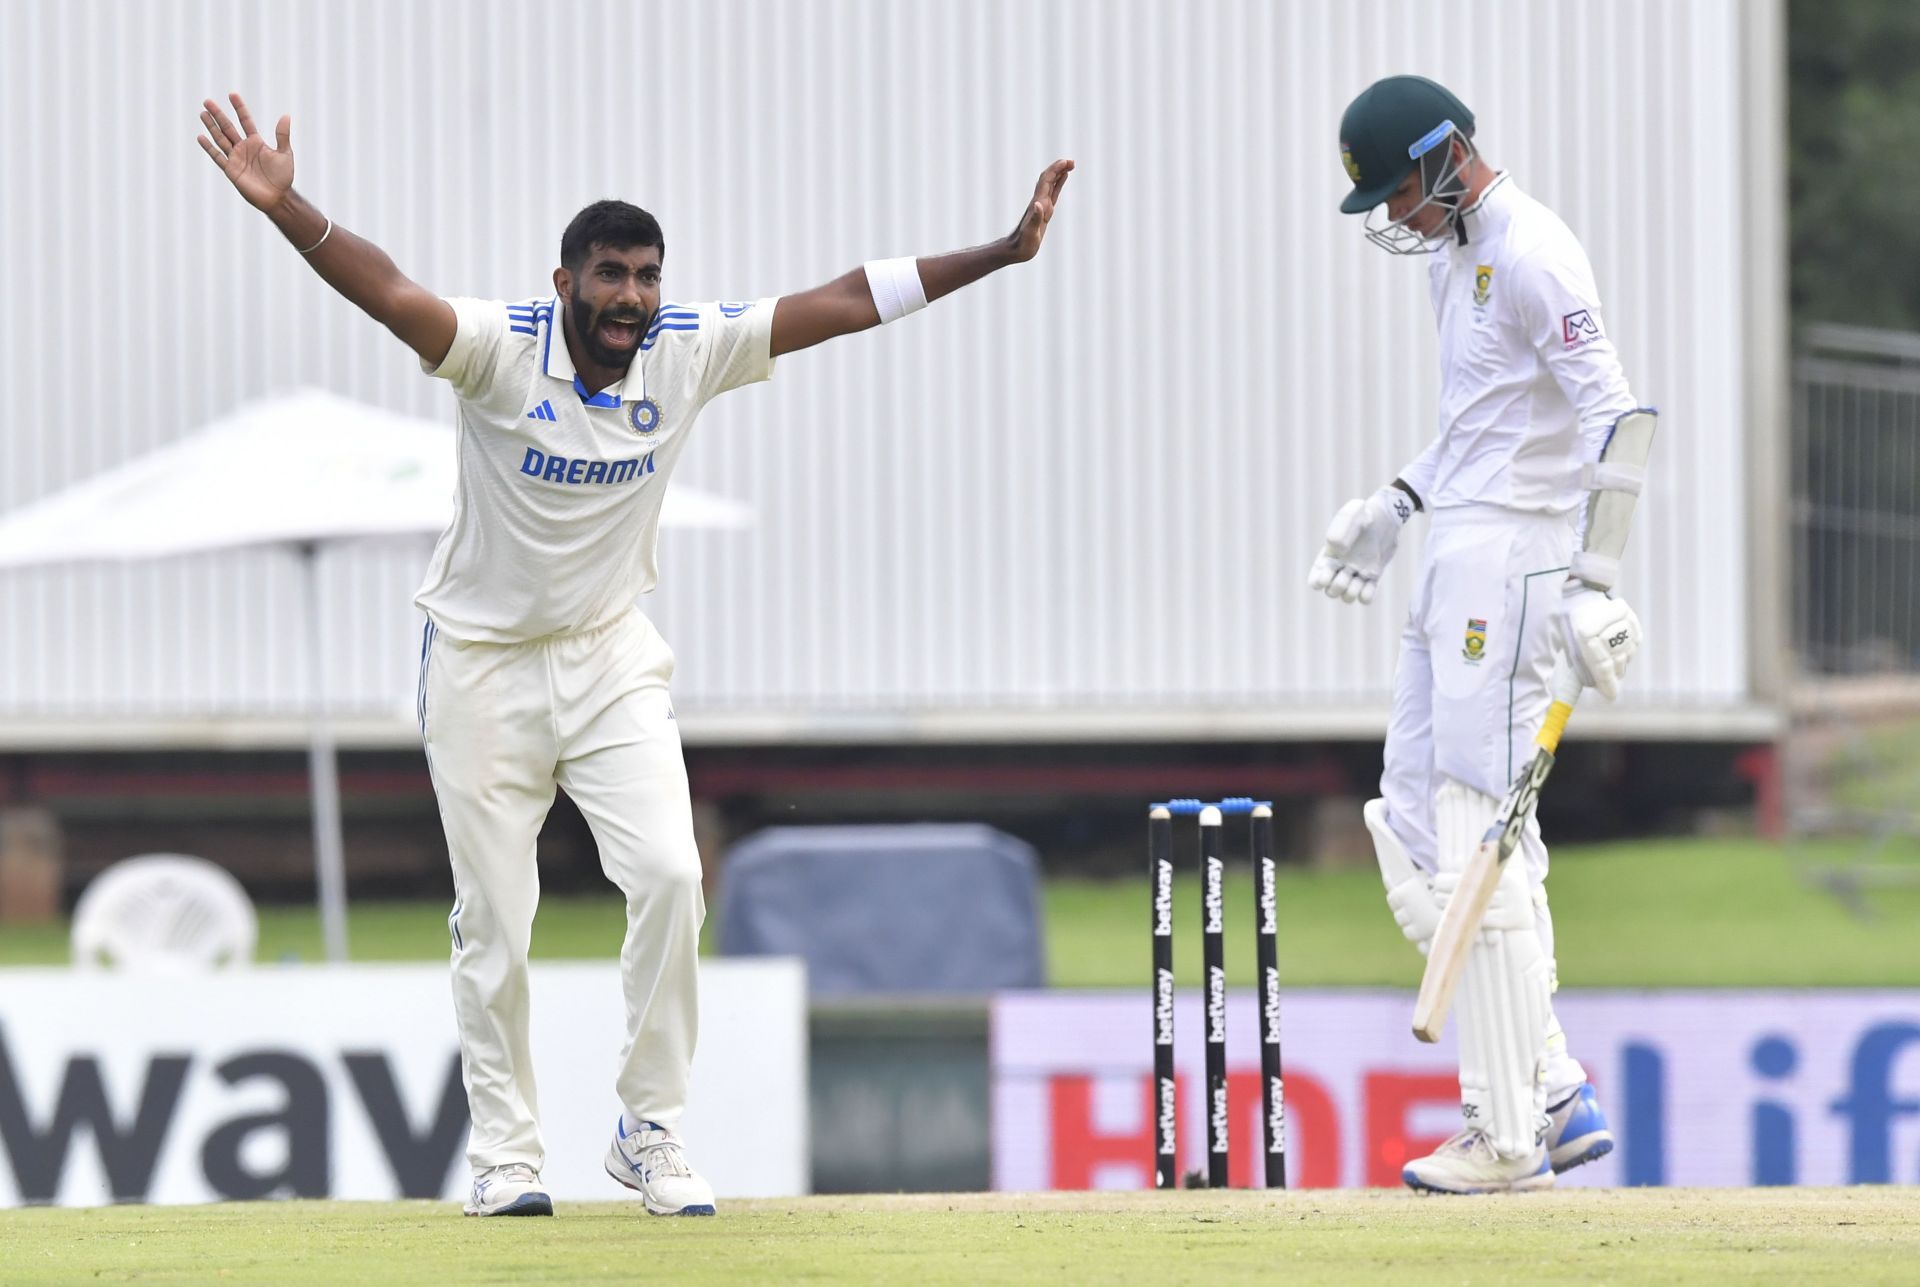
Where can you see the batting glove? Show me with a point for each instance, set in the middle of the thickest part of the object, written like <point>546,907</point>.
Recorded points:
<point>1600,636</point>
<point>1360,543</point>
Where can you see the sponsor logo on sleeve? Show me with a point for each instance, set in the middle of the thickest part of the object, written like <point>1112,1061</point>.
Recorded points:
<point>1579,328</point>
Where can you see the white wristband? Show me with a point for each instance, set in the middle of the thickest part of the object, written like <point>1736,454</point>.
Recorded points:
<point>896,287</point>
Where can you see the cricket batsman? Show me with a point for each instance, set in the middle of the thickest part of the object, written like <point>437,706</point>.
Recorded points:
<point>1530,389</point>
<point>537,669</point>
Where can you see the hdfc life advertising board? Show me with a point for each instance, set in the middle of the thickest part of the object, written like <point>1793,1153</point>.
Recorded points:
<point>1701,1088</point>
<point>344,1082</point>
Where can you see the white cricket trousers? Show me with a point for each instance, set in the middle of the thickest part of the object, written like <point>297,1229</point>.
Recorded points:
<point>1471,690</point>
<point>1475,658</point>
<point>503,724</point>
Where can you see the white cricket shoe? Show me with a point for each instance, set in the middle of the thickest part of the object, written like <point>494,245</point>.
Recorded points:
<point>1467,1163</point>
<point>652,1161</point>
<point>510,1190</point>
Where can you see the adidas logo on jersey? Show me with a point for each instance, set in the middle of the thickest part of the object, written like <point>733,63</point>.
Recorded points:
<point>542,412</point>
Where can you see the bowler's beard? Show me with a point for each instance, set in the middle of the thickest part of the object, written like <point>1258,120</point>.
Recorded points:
<point>586,328</point>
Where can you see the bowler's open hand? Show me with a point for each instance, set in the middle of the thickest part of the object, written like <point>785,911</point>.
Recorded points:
<point>264,175</point>
<point>1033,224</point>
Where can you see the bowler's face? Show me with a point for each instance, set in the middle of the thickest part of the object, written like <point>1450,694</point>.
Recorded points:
<point>612,298</point>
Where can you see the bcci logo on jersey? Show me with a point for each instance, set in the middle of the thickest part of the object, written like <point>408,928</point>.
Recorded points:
<point>644,416</point>
<point>1476,650</point>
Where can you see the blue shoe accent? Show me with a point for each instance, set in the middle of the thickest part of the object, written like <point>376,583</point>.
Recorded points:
<point>527,1204</point>
<point>1581,1135</point>
<point>698,1209</point>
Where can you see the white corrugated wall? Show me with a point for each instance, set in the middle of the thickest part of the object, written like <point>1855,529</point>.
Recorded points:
<point>1081,496</point>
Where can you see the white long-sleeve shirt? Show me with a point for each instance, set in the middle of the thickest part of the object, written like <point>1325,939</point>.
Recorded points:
<point>1530,385</point>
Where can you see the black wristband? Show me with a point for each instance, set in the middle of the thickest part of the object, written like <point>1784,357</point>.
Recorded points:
<point>1415,496</point>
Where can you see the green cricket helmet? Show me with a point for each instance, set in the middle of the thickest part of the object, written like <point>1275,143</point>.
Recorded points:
<point>1395,125</point>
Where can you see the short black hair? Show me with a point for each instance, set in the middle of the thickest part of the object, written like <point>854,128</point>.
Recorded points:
<point>614,224</point>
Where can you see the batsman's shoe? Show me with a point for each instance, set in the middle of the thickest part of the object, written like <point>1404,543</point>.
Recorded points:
<point>1467,1163</point>
<point>513,1189</point>
<point>1577,1131</point>
<point>651,1161</point>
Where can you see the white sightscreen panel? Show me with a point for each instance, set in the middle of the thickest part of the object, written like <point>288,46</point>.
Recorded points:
<point>1090,484</point>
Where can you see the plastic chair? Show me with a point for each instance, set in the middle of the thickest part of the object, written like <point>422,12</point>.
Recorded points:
<point>167,912</point>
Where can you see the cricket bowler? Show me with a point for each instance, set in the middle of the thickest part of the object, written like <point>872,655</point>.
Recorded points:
<point>537,669</point>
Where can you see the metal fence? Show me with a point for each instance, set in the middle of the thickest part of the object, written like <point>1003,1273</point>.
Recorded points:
<point>1853,759</point>
<point>1856,501</point>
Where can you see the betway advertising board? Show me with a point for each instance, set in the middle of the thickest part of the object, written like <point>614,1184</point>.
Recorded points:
<point>344,1082</point>
<point>1702,1088</point>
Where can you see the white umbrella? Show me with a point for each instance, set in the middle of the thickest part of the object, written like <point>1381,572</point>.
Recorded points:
<point>305,467</point>
<point>296,470</point>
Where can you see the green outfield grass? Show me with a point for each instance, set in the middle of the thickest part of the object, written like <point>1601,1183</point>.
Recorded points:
<point>1711,913</point>
<point>1574,1236</point>
<point>1661,913</point>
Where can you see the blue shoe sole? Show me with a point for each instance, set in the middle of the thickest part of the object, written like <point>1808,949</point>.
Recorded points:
<point>698,1209</point>
<point>1598,1149</point>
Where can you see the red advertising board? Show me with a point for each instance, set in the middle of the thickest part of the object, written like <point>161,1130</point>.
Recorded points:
<point>1702,1088</point>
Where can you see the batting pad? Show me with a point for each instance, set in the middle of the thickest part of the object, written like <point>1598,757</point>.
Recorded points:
<point>1503,1009</point>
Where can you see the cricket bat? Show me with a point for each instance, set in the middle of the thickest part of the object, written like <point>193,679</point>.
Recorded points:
<point>1460,923</point>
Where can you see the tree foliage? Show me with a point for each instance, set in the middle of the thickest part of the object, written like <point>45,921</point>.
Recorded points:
<point>1854,163</point>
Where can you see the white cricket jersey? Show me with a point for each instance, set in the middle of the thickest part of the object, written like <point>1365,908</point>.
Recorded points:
<point>556,508</point>
<point>1530,385</point>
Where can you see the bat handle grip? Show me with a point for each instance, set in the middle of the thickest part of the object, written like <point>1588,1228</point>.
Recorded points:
<point>1565,688</point>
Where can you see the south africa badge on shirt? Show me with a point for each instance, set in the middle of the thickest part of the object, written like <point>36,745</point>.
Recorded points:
<point>1476,650</point>
<point>1482,285</point>
<point>644,416</point>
